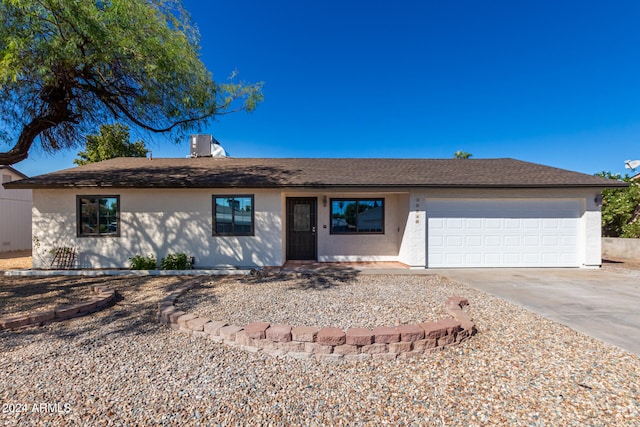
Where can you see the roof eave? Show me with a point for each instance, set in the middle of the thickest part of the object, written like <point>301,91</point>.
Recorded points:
<point>19,185</point>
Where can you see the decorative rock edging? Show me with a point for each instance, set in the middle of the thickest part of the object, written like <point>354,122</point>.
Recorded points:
<point>104,297</point>
<point>303,342</point>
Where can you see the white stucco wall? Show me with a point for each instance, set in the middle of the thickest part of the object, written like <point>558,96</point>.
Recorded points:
<point>362,247</point>
<point>15,215</point>
<point>161,221</point>
<point>356,247</point>
<point>412,246</point>
<point>591,223</point>
<point>157,222</point>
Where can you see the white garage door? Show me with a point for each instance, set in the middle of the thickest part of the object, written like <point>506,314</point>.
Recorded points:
<point>502,233</point>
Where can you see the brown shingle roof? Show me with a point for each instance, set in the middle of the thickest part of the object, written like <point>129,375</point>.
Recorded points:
<point>305,172</point>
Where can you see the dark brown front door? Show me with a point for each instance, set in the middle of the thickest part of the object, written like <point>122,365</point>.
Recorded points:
<point>301,228</point>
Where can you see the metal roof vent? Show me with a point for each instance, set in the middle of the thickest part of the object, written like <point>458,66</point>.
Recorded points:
<point>205,145</point>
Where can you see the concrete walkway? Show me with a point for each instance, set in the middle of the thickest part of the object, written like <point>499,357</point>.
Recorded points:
<point>600,303</point>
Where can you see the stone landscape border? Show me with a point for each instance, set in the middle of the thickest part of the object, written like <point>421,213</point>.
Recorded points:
<point>103,298</point>
<point>303,342</point>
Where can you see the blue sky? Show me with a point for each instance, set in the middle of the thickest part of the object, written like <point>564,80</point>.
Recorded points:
<point>550,82</point>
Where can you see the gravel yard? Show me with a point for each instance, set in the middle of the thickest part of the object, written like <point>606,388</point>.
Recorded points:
<point>121,367</point>
<point>339,299</point>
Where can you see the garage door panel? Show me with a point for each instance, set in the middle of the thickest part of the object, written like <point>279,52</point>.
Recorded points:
<point>493,258</point>
<point>493,224</point>
<point>454,241</point>
<point>532,224</point>
<point>454,259</point>
<point>473,241</point>
<point>474,224</point>
<point>492,241</point>
<point>550,258</point>
<point>436,242</point>
<point>473,258</point>
<point>513,241</point>
<point>454,223</point>
<point>511,258</point>
<point>436,223</point>
<point>437,259</point>
<point>502,233</point>
<point>513,223</point>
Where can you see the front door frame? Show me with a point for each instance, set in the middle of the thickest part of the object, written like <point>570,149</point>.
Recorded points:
<point>313,232</point>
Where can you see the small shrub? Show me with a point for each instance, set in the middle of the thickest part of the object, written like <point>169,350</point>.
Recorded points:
<point>178,261</point>
<point>139,262</point>
<point>631,230</point>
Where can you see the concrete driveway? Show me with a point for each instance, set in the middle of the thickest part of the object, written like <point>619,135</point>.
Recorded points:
<point>600,303</point>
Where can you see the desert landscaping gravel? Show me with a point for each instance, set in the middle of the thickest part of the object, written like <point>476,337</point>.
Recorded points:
<point>120,367</point>
<point>339,299</point>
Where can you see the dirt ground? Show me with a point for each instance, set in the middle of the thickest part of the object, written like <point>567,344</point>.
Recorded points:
<point>22,259</point>
<point>620,263</point>
<point>15,260</point>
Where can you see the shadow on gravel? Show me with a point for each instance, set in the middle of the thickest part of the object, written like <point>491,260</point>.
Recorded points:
<point>320,279</point>
<point>325,279</point>
<point>27,294</point>
<point>133,314</point>
<point>317,279</point>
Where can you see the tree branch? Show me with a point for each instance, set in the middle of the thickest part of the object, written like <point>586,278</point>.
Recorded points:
<point>58,102</point>
<point>20,151</point>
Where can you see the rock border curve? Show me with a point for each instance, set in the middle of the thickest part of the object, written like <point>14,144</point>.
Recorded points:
<point>103,298</point>
<point>326,344</point>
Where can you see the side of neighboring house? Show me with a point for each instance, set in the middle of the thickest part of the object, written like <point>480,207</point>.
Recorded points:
<point>15,213</point>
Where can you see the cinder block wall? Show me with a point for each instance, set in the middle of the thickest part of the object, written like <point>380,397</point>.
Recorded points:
<point>615,247</point>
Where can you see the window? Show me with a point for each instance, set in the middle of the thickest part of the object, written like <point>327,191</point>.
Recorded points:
<point>98,215</point>
<point>357,216</point>
<point>233,215</point>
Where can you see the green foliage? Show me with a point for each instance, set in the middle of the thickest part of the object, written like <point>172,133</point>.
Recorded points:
<point>461,155</point>
<point>67,66</point>
<point>112,141</point>
<point>621,208</point>
<point>631,230</point>
<point>178,261</point>
<point>139,262</point>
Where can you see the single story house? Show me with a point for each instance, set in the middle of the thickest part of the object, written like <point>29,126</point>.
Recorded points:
<point>15,213</point>
<point>244,212</point>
